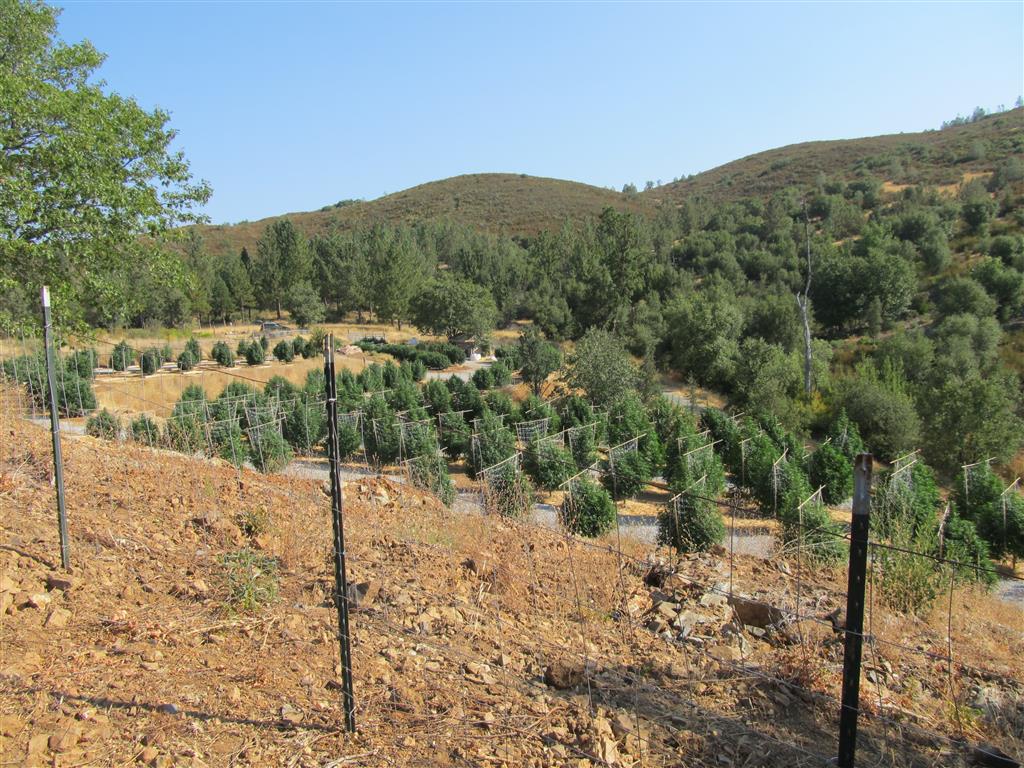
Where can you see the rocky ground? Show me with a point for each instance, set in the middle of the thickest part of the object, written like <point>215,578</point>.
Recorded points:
<point>196,628</point>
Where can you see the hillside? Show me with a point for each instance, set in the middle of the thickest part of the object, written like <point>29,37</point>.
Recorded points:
<point>517,204</point>
<point>481,641</point>
<point>940,157</point>
<point>513,204</point>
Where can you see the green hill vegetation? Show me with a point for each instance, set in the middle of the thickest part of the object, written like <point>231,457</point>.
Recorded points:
<point>509,203</point>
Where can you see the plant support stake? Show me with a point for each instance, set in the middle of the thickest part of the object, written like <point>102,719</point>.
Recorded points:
<point>340,577</point>
<point>58,462</point>
<point>854,637</point>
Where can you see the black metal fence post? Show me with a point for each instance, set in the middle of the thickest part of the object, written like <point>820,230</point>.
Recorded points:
<point>854,638</point>
<point>58,461</point>
<point>340,577</point>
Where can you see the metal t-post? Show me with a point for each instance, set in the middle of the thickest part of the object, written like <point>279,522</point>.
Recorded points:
<point>340,577</point>
<point>58,462</point>
<point>854,635</point>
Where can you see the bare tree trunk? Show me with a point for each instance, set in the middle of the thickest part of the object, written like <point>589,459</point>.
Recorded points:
<point>804,303</point>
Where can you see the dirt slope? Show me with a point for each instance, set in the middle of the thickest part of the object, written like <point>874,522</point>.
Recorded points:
<point>486,644</point>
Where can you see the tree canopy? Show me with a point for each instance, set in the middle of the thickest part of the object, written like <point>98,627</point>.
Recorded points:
<point>91,182</point>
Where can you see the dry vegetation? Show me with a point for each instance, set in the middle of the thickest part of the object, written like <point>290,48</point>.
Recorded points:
<point>140,655</point>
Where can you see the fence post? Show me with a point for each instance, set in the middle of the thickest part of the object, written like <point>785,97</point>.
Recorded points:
<point>854,634</point>
<point>58,461</point>
<point>340,577</point>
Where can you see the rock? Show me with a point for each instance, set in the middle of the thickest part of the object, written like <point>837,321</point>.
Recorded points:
<point>151,655</point>
<point>228,744</point>
<point>38,743</point>
<point>622,725</point>
<point>58,618</point>
<point>32,600</point>
<point>755,613</point>
<point>783,567</point>
<point>58,581</point>
<point>7,583</point>
<point>148,755</point>
<point>168,709</point>
<point>363,594</point>
<point>563,675</point>
<point>65,737</point>
<point>234,695</point>
<point>713,600</point>
<point>657,625</point>
<point>667,611</point>
<point>291,715</point>
<point>10,725</point>
<point>685,622</point>
<point>724,653</point>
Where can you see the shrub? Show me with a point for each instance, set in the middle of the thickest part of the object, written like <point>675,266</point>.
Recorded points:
<point>242,346</point>
<point>252,580</point>
<point>831,471</point>
<point>371,378</point>
<point>909,582</point>
<point>103,424</point>
<point>381,434</point>
<point>254,353</point>
<point>151,361</point>
<point>186,433</point>
<point>588,510</point>
<point>963,545</point>
<point>508,492</point>
<point>492,443</point>
<point>455,435</point>
<point>685,468</point>
<point>548,464</point>
<point>583,445</point>
<point>264,344</point>
<point>430,472</point>
<point>437,397</point>
<point>812,529</point>
<point>74,394</point>
<point>268,450</point>
<point>500,374</point>
<point>164,354</point>
<point>229,443</point>
<point>81,362</point>
<point>144,430</point>
<point>349,440</point>
<point>284,351</point>
<point>298,347</point>
<point>305,426</point>
<point>122,357</point>
<point>253,522</point>
<point>627,474</point>
<point>192,345</point>
<point>482,378</point>
<point>279,388</point>
<point>690,524</point>
<point>222,354</point>
<point>186,361</point>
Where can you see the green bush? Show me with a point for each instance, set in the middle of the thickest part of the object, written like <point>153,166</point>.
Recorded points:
<point>151,361</point>
<point>222,354</point>
<point>381,432</point>
<point>813,530</point>
<point>264,344</point>
<point>123,356</point>
<point>430,472</point>
<point>349,440</point>
<point>305,426</point>
<point>186,361</point>
<point>284,351</point>
<point>279,388</point>
<point>103,424</point>
<point>492,443</point>
<point>229,443</point>
<point>690,524</point>
<point>144,430</point>
<point>482,378</point>
<point>964,546</point>
<point>81,362</point>
<point>437,397</point>
<point>588,510</point>
<point>548,464</point>
<point>268,450</point>
<point>831,470</point>
<point>508,492</point>
<point>627,475</point>
<point>686,467</point>
<point>192,345</point>
<point>583,445</point>
<point>255,354</point>
<point>186,433</point>
<point>371,378</point>
<point>455,436</point>
<point>500,374</point>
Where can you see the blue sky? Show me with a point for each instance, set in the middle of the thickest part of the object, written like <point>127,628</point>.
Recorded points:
<point>291,106</point>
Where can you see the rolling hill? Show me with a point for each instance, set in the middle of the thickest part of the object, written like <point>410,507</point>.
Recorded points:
<point>518,204</point>
<point>515,204</point>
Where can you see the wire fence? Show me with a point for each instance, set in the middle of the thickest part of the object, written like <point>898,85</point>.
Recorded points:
<point>757,640</point>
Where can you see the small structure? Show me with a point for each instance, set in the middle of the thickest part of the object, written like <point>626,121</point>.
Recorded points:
<point>467,344</point>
